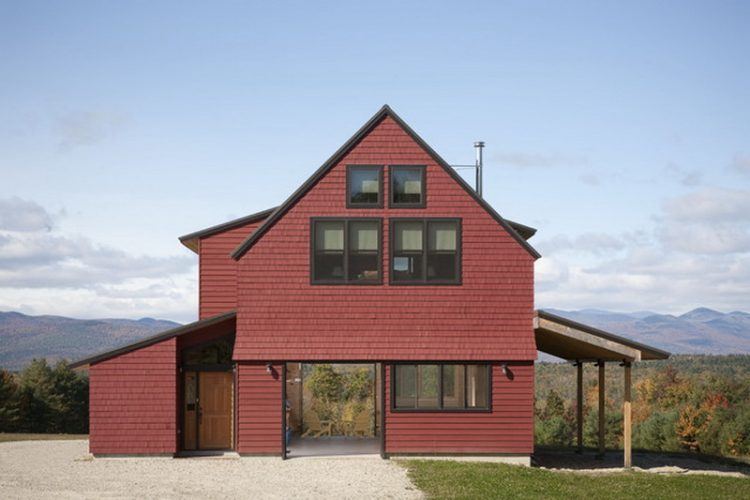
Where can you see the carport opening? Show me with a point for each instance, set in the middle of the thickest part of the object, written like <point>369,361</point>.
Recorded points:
<point>333,409</point>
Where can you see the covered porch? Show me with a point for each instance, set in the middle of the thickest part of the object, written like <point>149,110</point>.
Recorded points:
<point>580,344</point>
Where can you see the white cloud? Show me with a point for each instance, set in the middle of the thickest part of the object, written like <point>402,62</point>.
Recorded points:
<point>43,271</point>
<point>710,205</point>
<point>698,254</point>
<point>596,243</point>
<point>708,221</point>
<point>533,160</point>
<point>17,214</point>
<point>86,128</point>
<point>741,164</point>
<point>684,176</point>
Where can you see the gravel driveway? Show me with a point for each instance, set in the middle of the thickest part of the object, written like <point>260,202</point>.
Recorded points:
<point>63,469</point>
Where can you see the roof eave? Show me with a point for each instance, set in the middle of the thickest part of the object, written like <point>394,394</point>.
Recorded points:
<point>173,332</point>
<point>192,240</point>
<point>648,353</point>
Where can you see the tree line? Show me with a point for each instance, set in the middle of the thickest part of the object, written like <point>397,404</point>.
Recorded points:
<point>44,399</point>
<point>690,403</point>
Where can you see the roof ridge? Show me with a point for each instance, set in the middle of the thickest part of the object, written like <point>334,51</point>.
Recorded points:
<point>383,112</point>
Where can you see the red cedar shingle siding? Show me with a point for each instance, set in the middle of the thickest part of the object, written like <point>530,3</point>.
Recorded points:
<point>218,271</point>
<point>281,316</point>
<point>509,428</point>
<point>133,402</point>
<point>259,409</point>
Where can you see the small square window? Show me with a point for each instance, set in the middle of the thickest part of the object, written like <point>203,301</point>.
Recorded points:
<point>364,186</point>
<point>407,186</point>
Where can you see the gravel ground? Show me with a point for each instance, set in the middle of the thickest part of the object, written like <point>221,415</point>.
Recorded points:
<point>63,469</point>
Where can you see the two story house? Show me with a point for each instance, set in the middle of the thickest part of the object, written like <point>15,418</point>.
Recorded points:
<point>384,258</point>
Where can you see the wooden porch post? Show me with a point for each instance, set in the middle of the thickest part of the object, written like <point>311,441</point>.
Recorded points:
<point>627,431</point>
<point>579,405</point>
<point>600,364</point>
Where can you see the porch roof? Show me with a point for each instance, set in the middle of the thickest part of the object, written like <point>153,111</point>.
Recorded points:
<point>174,332</point>
<point>575,341</point>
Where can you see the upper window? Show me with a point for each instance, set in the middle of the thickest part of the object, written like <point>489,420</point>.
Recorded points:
<point>346,251</point>
<point>441,387</point>
<point>426,251</point>
<point>218,352</point>
<point>364,186</point>
<point>407,186</point>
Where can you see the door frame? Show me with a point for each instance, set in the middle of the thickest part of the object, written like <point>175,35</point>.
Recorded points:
<point>231,368</point>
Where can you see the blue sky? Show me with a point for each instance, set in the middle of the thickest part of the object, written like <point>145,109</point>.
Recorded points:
<point>621,130</point>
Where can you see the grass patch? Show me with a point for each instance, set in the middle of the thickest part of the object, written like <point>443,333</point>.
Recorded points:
<point>448,479</point>
<point>10,436</point>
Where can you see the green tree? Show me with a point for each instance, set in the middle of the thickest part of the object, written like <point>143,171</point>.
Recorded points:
<point>8,402</point>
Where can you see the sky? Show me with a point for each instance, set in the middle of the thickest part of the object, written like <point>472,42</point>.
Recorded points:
<point>620,130</point>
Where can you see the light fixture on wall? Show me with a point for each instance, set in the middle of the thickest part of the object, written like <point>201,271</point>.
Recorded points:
<point>269,368</point>
<point>504,366</point>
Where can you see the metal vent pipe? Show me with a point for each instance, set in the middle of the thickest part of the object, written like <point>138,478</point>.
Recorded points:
<point>479,146</point>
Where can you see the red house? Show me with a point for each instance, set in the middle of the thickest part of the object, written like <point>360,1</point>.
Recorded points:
<point>384,276</point>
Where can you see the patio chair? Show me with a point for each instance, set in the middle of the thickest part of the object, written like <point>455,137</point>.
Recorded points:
<point>362,424</point>
<point>317,427</point>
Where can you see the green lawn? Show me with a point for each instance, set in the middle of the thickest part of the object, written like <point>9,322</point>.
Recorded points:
<point>447,479</point>
<point>5,437</point>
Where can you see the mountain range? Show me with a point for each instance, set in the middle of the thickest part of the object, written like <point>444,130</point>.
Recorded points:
<point>700,331</point>
<point>23,338</point>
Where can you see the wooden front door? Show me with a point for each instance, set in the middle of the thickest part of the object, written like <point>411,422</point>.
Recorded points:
<point>207,423</point>
<point>215,410</point>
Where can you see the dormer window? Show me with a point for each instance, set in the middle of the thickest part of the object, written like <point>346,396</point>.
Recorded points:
<point>364,186</point>
<point>407,186</point>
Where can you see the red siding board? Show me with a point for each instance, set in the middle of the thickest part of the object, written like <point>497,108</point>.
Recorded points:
<point>218,271</point>
<point>507,429</point>
<point>282,316</point>
<point>259,409</point>
<point>133,402</point>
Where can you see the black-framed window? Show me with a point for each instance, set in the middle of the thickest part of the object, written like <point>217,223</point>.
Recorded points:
<point>407,186</point>
<point>364,186</point>
<point>346,251</point>
<point>443,387</point>
<point>425,251</point>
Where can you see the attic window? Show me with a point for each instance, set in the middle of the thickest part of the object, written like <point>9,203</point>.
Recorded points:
<point>364,186</point>
<point>407,186</point>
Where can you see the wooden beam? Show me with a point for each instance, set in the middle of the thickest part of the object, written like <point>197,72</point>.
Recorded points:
<point>601,408</point>
<point>621,351</point>
<point>579,405</point>
<point>627,421</point>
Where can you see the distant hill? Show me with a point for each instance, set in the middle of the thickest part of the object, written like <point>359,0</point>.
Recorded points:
<point>700,331</point>
<point>23,338</point>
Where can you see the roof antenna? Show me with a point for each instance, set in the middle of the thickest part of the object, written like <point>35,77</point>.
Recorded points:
<point>479,146</point>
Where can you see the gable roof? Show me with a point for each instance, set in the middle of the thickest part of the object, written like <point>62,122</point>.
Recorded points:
<point>174,332</point>
<point>191,240</point>
<point>384,112</point>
